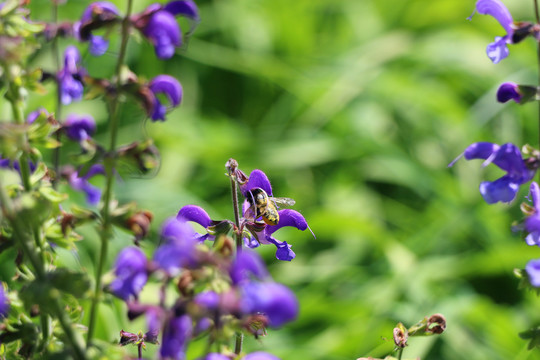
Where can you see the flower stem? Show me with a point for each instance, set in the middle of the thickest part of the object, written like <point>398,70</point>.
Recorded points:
<point>239,336</point>
<point>236,210</point>
<point>58,110</point>
<point>110,161</point>
<point>399,353</point>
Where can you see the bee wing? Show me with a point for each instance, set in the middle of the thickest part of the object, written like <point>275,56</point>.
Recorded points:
<point>283,201</point>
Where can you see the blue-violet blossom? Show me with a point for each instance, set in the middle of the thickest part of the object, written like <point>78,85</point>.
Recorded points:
<point>260,355</point>
<point>533,271</point>
<point>81,183</point>
<point>4,302</point>
<point>176,335</point>
<point>79,127</point>
<point>274,300</point>
<point>497,50</point>
<point>168,86</point>
<point>162,29</point>
<point>131,274</point>
<point>70,76</point>
<point>508,158</point>
<point>532,223</point>
<point>179,249</point>
<point>105,9</point>
<point>287,217</point>
<point>509,91</point>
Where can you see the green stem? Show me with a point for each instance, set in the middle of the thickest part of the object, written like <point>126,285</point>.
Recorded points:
<point>239,336</point>
<point>106,232</point>
<point>237,232</point>
<point>58,111</point>
<point>537,15</point>
<point>399,353</point>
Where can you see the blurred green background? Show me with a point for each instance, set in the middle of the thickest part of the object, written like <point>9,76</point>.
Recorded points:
<point>354,108</point>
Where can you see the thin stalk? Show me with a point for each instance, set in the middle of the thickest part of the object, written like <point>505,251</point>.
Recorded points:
<point>139,350</point>
<point>239,336</point>
<point>106,232</point>
<point>58,110</point>
<point>537,14</point>
<point>236,210</point>
<point>399,353</point>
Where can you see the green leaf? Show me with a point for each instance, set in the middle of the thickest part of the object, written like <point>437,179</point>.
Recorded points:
<point>52,195</point>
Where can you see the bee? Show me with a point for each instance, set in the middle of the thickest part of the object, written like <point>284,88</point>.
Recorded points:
<point>262,205</point>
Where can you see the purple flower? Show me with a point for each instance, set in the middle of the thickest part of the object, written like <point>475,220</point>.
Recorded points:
<point>70,77</point>
<point>198,215</point>
<point>533,271</point>
<point>257,179</point>
<point>4,302</point>
<point>207,299</point>
<point>176,335</point>
<point>215,356</point>
<point>130,271</point>
<point>497,50</point>
<point>179,249</point>
<point>508,158</point>
<point>246,266</point>
<point>168,86</point>
<point>509,91</point>
<point>35,114</point>
<point>162,29</point>
<point>14,164</point>
<point>260,355</point>
<point>79,127</point>
<point>532,223</point>
<point>274,300</point>
<point>100,12</point>
<point>80,183</point>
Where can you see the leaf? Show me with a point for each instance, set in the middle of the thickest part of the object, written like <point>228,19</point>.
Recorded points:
<point>52,195</point>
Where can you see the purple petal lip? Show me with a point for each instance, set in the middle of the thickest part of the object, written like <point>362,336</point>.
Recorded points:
<point>196,214</point>
<point>496,9</point>
<point>257,179</point>
<point>533,271</point>
<point>168,85</point>
<point>104,6</point>
<point>508,91</point>
<point>185,8</point>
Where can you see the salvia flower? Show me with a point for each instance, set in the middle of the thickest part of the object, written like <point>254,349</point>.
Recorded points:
<point>274,300</point>
<point>260,355</point>
<point>159,25</point>
<point>176,335</point>
<point>79,127</point>
<point>215,356</point>
<point>35,114</point>
<point>198,215</point>
<point>179,250</point>
<point>95,15</point>
<point>4,302</point>
<point>169,87</point>
<point>532,223</point>
<point>533,271</point>
<point>81,183</point>
<point>131,274</point>
<point>70,76</point>
<point>497,50</point>
<point>509,91</point>
<point>246,266</point>
<point>508,158</point>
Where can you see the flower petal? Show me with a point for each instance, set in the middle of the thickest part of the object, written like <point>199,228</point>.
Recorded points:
<point>288,217</point>
<point>508,91</point>
<point>257,179</point>
<point>196,214</point>
<point>503,190</point>
<point>496,9</point>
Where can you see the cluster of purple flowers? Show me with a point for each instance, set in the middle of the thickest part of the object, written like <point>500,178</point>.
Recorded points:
<point>518,171</point>
<point>240,295</point>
